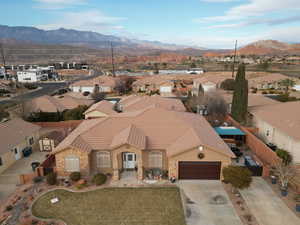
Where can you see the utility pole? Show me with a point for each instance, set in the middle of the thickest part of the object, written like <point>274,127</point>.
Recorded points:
<point>234,57</point>
<point>112,60</point>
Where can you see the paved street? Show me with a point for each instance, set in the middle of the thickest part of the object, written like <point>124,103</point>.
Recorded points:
<point>199,207</point>
<point>266,206</point>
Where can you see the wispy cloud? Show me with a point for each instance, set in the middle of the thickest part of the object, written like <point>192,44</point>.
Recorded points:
<point>254,12</point>
<point>58,4</point>
<point>92,20</point>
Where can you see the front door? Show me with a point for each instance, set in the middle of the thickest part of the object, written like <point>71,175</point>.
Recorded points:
<point>129,160</point>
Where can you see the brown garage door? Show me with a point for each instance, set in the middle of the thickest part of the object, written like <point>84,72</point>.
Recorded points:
<point>200,170</point>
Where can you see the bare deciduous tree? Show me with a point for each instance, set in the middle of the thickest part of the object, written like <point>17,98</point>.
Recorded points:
<point>285,173</point>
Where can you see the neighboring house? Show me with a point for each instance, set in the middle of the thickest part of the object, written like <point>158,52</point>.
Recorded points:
<point>182,144</point>
<point>254,100</point>
<point>279,124</point>
<point>106,84</point>
<point>57,104</point>
<point>134,103</point>
<point>166,88</point>
<point>101,109</point>
<point>266,82</point>
<point>15,135</point>
<point>31,75</point>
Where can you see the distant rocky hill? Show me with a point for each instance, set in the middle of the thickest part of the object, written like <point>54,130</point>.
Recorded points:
<point>262,47</point>
<point>78,38</point>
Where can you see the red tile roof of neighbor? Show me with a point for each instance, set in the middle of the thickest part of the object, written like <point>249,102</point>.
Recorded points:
<point>254,100</point>
<point>100,80</point>
<point>53,104</point>
<point>152,128</point>
<point>13,132</point>
<point>133,103</point>
<point>283,116</point>
<point>102,106</point>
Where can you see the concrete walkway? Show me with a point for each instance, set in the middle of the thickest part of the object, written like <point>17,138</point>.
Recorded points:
<point>200,211</point>
<point>268,208</point>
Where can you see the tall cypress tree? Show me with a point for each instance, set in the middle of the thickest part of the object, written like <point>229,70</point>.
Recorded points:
<point>240,96</point>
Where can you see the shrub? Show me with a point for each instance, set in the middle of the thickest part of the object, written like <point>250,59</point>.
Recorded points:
<point>9,208</point>
<point>51,178</point>
<point>30,86</point>
<point>86,93</point>
<point>99,179</point>
<point>37,179</point>
<point>228,84</point>
<point>285,156</point>
<point>75,176</point>
<point>76,113</point>
<point>238,177</point>
<point>264,92</point>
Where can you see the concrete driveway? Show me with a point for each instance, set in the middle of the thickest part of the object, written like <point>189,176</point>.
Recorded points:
<point>266,206</point>
<point>9,179</point>
<point>198,207</point>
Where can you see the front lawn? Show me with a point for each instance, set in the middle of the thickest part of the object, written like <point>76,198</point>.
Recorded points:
<point>113,206</point>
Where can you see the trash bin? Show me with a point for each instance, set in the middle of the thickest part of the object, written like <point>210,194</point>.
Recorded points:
<point>27,151</point>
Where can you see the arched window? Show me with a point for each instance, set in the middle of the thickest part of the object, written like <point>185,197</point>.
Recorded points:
<point>72,164</point>
<point>103,160</point>
<point>155,159</point>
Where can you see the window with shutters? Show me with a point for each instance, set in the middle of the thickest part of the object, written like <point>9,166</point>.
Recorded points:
<point>155,159</point>
<point>103,160</point>
<point>72,164</point>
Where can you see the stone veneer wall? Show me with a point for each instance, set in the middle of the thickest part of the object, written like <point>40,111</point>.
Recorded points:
<point>84,161</point>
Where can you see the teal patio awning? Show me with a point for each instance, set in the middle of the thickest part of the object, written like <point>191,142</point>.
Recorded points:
<point>229,131</point>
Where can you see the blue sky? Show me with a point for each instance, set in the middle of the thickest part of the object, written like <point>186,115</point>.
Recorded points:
<point>206,23</point>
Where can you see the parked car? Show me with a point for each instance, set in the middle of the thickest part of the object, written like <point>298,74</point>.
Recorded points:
<point>236,151</point>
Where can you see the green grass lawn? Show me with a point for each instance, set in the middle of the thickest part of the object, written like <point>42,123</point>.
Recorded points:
<point>113,206</point>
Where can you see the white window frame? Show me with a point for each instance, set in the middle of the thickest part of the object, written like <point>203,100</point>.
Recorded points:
<point>155,159</point>
<point>103,159</point>
<point>73,158</point>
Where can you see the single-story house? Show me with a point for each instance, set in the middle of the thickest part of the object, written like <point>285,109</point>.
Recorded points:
<point>106,84</point>
<point>181,144</point>
<point>54,104</point>
<point>100,109</point>
<point>279,124</point>
<point>15,135</point>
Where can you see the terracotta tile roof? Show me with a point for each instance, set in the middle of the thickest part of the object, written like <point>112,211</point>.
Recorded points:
<point>13,132</point>
<point>53,104</point>
<point>283,116</point>
<point>130,135</point>
<point>254,100</point>
<point>100,80</point>
<point>135,103</point>
<point>102,106</point>
<point>153,128</point>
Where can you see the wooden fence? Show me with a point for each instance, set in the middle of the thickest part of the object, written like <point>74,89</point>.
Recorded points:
<point>62,124</point>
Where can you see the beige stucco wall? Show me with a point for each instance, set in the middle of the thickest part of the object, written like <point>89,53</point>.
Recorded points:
<point>88,162</point>
<point>95,114</point>
<point>8,159</point>
<point>84,161</point>
<point>192,155</point>
<point>277,137</point>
